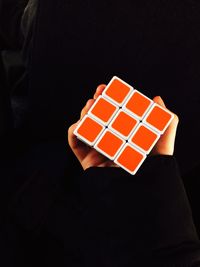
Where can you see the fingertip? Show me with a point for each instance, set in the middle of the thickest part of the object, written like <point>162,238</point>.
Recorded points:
<point>100,87</point>
<point>99,90</point>
<point>176,119</point>
<point>72,128</point>
<point>89,103</point>
<point>158,100</point>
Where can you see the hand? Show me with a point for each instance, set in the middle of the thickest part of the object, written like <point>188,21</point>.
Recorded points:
<point>89,157</point>
<point>165,144</point>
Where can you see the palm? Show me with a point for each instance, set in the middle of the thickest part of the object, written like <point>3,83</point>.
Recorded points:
<point>90,157</point>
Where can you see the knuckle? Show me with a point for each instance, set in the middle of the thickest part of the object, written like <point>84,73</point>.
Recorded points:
<point>70,129</point>
<point>176,118</point>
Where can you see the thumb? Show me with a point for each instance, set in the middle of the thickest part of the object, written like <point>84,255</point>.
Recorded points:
<point>165,144</point>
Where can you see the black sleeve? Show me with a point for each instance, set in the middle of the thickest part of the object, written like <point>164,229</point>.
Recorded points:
<point>34,210</point>
<point>11,12</point>
<point>141,220</point>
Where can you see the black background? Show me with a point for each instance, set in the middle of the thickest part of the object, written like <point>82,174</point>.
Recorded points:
<point>154,46</point>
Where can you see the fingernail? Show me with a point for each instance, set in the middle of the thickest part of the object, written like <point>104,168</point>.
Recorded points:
<point>88,104</point>
<point>161,100</point>
<point>98,87</point>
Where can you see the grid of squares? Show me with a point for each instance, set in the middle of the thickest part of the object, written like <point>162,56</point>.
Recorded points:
<point>124,125</point>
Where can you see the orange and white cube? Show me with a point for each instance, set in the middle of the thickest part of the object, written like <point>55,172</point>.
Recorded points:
<point>124,125</point>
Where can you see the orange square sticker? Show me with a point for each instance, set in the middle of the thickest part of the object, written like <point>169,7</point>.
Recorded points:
<point>117,91</point>
<point>109,144</point>
<point>159,118</point>
<point>138,104</point>
<point>130,159</point>
<point>89,130</point>
<point>144,137</point>
<point>123,124</point>
<point>103,110</point>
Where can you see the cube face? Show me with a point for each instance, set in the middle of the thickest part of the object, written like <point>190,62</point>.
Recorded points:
<point>144,138</point>
<point>123,124</point>
<point>158,118</point>
<point>89,130</point>
<point>123,134</point>
<point>117,91</point>
<point>138,104</point>
<point>130,159</point>
<point>103,110</point>
<point>109,144</point>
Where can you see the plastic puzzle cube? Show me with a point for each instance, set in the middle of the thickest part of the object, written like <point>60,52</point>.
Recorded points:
<point>123,125</point>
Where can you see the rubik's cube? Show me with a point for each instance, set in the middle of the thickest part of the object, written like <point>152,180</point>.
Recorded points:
<point>123,125</point>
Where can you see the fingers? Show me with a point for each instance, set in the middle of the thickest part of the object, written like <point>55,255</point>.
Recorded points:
<point>99,90</point>
<point>79,148</point>
<point>73,141</point>
<point>90,102</point>
<point>88,105</point>
<point>165,144</point>
<point>159,101</point>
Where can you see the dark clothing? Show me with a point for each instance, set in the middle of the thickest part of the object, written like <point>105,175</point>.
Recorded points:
<point>53,213</point>
<point>104,217</point>
<point>69,49</point>
<point>152,46</point>
<point>5,111</point>
<point>11,12</point>
<point>16,23</point>
<point>141,220</point>
<point>17,20</point>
